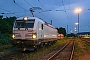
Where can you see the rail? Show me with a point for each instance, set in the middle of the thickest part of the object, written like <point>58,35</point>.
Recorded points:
<point>59,51</point>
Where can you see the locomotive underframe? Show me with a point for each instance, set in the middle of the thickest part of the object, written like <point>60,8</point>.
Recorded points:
<point>28,44</point>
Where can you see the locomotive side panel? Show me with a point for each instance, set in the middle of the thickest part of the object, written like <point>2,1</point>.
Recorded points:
<point>50,33</point>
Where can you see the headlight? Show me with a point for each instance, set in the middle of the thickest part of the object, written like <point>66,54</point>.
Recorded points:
<point>25,18</point>
<point>13,36</point>
<point>34,36</point>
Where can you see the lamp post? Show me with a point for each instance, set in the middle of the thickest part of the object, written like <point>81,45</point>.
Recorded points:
<point>78,23</point>
<point>78,10</point>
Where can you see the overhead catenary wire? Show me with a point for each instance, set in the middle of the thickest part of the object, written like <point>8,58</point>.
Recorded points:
<point>42,6</point>
<point>69,2</point>
<point>32,7</point>
<point>29,9</point>
<point>20,7</point>
<point>47,11</point>
<point>40,3</point>
<point>4,10</point>
<point>28,3</point>
<point>70,7</point>
<point>55,10</point>
<point>66,11</point>
<point>44,15</point>
<point>7,12</point>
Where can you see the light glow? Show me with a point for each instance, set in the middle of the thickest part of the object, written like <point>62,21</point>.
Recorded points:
<point>13,36</point>
<point>75,28</point>
<point>25,18</point>
<point>77,10</point>
<point>34,36</point>
<point>40,29</point>
<point>45,35</point>
<point>76,23</point>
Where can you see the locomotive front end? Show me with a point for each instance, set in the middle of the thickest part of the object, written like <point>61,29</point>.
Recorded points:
<point>24,34</point>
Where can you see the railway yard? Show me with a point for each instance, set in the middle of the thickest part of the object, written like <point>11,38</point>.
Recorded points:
<point>64,49</point>
<point>44,30</point>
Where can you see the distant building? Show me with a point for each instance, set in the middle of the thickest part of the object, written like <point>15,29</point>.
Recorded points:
<point>84,34</point>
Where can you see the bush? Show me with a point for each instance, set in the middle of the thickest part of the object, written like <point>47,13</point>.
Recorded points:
<point>4,39</point>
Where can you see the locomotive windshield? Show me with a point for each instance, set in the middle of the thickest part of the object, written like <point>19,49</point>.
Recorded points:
<point>24,24</point>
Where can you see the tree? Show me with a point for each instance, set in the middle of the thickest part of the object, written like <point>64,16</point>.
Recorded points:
<point>6,25</point>
<point>1,17</point>
<point>62,31</point>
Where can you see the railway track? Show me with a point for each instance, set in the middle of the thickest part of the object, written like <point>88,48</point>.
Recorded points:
<point>18,55</point>
<point>86,41</point>
<point>65,53</point>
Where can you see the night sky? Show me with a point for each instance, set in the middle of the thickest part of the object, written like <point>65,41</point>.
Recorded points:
<point>61,12</point>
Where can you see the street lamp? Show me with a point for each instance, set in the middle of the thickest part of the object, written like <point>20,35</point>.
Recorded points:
<point>78,10</point>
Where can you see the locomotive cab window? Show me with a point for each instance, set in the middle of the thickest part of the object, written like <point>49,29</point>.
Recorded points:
<point>19,24</point>
<point>24,24</point>
<point>29,24</point>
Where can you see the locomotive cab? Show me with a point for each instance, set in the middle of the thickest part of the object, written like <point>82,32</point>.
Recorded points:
<point>24,33</point>
<point>23,28</point>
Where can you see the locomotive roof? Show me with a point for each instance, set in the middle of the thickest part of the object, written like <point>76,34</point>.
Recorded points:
<point>21,18</point>
<point>28,18</point>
